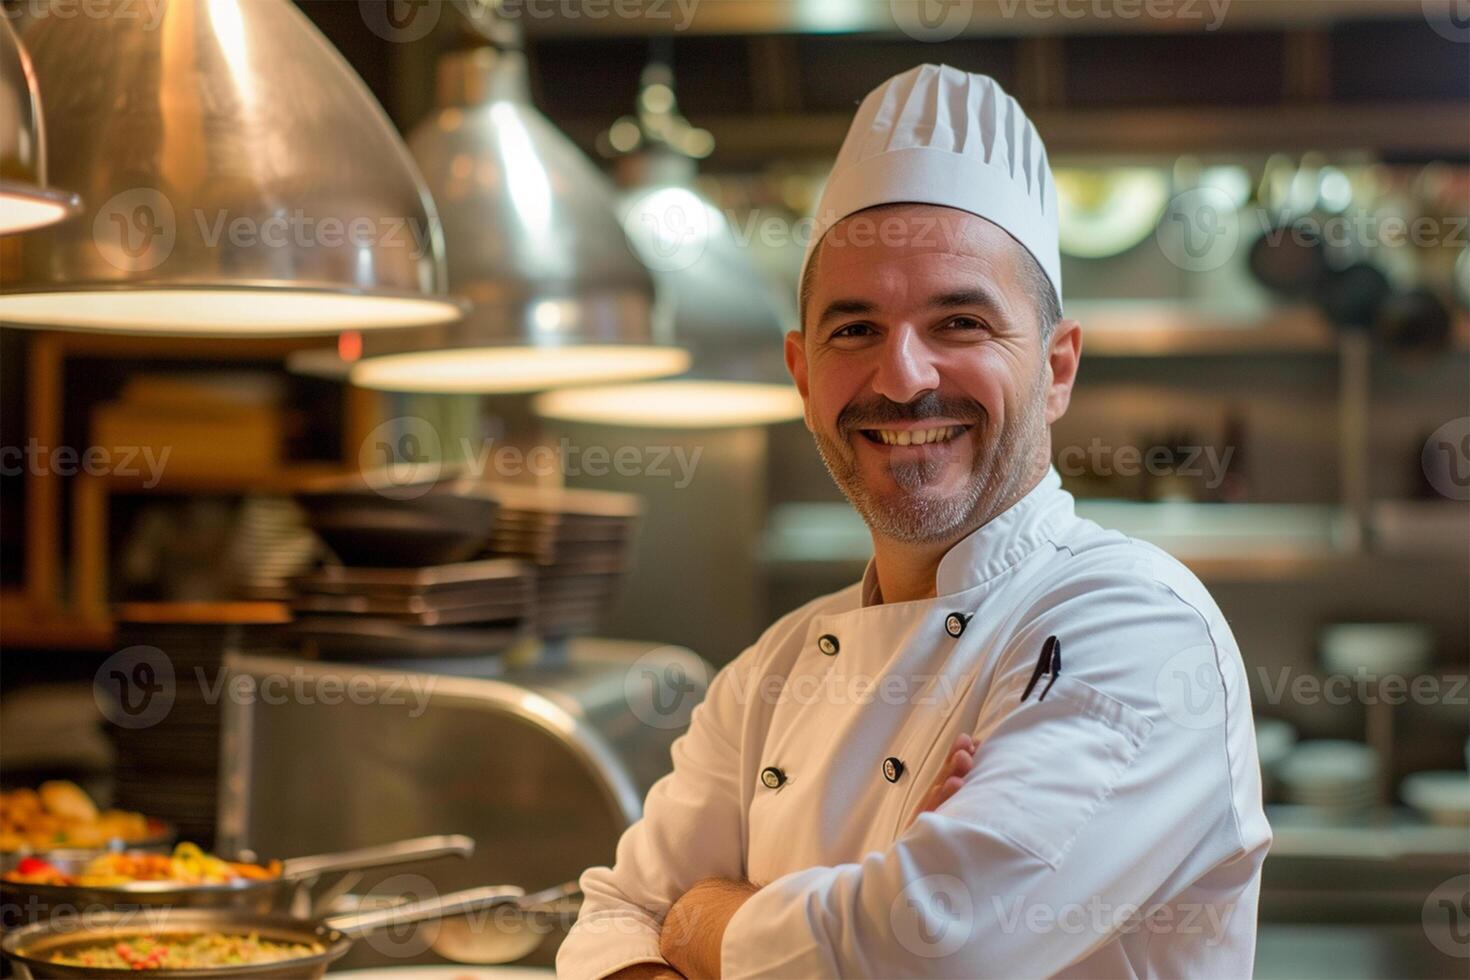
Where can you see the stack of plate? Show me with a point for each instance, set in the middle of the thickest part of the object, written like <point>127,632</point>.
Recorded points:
<point>579,542</point>
<point>271,543</point>
<point>1338,779</point>
<point>465,609</point>
<point>167,755</point>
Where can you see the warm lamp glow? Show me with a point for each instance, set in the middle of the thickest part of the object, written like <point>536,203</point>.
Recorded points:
<point>674,404</point>
<point>22,210</point>
<point>225,311</point>
<point>515,369</point>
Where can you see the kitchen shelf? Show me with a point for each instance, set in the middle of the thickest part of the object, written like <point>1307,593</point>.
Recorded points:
<point>1427,128</point>
<point>1177,328</point>
<point>287,479</point>
<point>1218,542</point>
<point>1165,328</point>
<point>986,18</point>
<point>1403,834</point>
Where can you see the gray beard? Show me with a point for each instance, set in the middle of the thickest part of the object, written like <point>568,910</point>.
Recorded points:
<point>1003,462</point>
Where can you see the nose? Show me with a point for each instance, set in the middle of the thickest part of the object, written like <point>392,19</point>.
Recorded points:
<point>906,367</point>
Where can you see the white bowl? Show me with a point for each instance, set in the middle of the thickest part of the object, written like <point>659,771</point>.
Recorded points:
<point>1329,766</point>
<point>1377,648</point>
<point>1443,797</point>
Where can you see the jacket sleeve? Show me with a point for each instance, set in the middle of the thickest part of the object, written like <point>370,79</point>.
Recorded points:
<point>691,829</point>
<point>1082,811</point>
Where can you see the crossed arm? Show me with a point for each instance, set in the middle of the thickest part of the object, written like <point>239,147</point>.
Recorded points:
<point>694,928</point>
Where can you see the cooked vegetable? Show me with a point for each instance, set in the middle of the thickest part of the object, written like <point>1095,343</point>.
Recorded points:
<point>188,865</point>
<point>182,951</point>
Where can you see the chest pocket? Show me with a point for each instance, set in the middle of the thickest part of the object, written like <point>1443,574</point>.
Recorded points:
<point>1049,765</point>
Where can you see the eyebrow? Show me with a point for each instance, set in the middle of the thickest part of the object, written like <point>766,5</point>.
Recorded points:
<point>970,296</point>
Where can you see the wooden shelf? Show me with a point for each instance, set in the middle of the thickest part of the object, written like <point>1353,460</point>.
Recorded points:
<point>286,480</point>
<point>27,628</point>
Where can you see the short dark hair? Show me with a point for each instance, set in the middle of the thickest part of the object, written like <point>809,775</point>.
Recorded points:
<point>1038,284</point>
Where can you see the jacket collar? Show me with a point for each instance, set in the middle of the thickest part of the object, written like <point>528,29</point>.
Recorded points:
<point>996,545</point>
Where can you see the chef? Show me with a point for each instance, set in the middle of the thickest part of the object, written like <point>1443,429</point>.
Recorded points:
<point>1021,746</point>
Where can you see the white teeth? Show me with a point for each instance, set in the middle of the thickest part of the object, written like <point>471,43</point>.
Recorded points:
<point>918,437</point>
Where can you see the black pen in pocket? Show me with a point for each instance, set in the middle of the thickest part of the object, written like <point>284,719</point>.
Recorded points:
<point>1050,661</point>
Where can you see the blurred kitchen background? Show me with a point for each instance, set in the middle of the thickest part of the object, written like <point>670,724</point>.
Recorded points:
<point>1264,232</point>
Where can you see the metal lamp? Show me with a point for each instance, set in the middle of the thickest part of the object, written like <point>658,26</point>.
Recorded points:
<point>26,201</point>
<point>711,295</point>
<point>533,242</point>
<point>240,179</point>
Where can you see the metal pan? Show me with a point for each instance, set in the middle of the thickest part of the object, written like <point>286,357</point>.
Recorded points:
<point>160,838</point>
<point>36,903</point>
<point>31,947</point>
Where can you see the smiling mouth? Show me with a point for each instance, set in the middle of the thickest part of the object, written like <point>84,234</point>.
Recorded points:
<point>914,437</point>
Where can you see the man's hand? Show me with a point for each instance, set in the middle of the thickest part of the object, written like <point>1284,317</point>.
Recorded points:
<point>950,778</point>
<point>695,926</point>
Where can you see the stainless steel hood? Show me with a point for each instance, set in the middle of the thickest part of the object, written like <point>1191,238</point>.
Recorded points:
<point>25,200</point>
<point>533,242</point>
<point>239,178</point>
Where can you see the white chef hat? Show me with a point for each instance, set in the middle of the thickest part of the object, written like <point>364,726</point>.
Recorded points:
<point>938,135</point>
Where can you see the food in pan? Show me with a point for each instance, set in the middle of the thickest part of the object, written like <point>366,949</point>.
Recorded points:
<point>187,865</point>
<point>182,951</point>
<point>61,814</point>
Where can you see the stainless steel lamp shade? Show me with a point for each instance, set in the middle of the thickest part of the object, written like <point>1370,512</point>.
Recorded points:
<point>239,178</point>
<point>711,293</point>
<point>25,200</point>
<point>533,242</point>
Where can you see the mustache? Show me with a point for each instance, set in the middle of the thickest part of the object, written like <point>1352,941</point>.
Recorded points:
<point>931,404</point>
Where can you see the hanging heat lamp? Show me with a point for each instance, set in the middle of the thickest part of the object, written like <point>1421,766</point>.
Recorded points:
<point>26,201</point>
<point>239,179</point>
<point>533,242</point>
<point>712,296</point>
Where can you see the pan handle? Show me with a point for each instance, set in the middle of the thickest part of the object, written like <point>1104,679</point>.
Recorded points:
<point>379,855</point>
<point>473,899</point>
<point>550,898</point>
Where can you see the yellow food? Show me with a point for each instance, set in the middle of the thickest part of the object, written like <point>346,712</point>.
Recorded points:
<point>182,951</point>
<point>61,814</point>
<point>188,865</point>
<point>68,801</point>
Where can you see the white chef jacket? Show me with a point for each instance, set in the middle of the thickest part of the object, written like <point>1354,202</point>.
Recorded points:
<point>1111,826</point>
